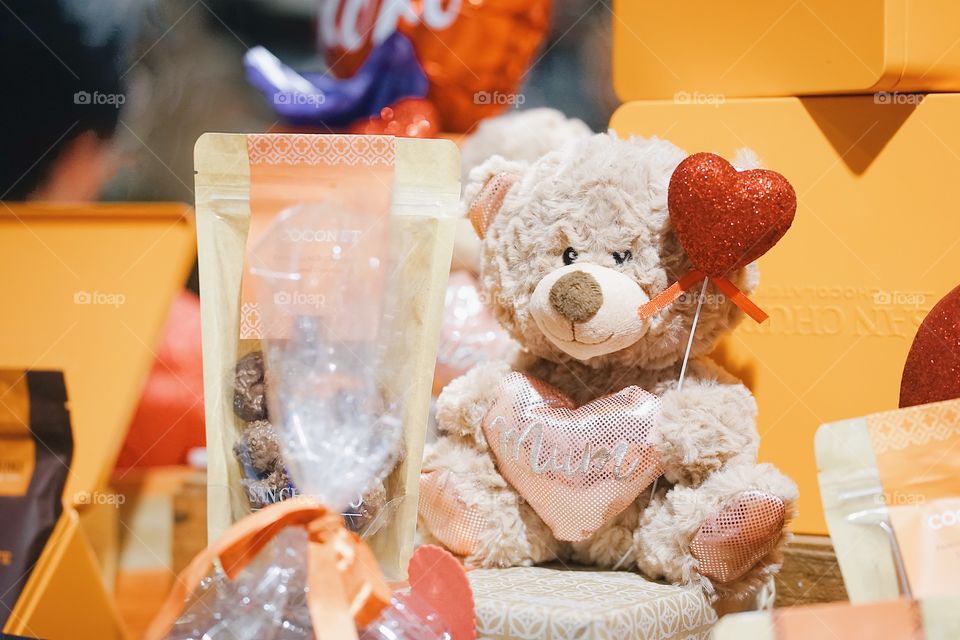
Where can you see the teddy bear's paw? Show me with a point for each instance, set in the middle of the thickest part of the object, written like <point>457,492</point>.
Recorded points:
<point>456,524</point>
<point>704,427</point>
<point>735,539</point>
<point>482,520</point>
<point>464,402</point>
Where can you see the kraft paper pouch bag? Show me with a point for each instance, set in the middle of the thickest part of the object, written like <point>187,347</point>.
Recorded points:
<point>36,448</point>
<point>243,184</point>
<point>903,619</point>
<point>890,484</point>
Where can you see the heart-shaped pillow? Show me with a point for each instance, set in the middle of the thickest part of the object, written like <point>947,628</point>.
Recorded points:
<point>577,467</point>
<point>725,218</point>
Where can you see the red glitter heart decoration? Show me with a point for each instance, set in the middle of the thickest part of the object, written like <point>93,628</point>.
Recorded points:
<point>725,218</point>
<point>932,370</point>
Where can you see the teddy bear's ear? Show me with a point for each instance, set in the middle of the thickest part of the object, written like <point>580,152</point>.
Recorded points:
<point>486,189</point>
<point>486,203</point>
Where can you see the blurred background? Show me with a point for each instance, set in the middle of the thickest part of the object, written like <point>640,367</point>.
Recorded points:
<point>178,64</point>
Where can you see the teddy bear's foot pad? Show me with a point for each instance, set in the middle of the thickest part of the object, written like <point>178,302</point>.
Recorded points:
<point>446,514</point>
<point>734,539</point>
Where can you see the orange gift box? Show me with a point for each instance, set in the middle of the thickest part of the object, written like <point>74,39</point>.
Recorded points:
<point>931,618</point>
<point>87,289</point>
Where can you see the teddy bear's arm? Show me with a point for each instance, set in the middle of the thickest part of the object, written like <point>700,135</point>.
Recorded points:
<point>464,402</point>
<point>710,422</point>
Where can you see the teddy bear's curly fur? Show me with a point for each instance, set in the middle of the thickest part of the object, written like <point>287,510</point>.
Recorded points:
<point>516,135</point>
<point>606,198</point>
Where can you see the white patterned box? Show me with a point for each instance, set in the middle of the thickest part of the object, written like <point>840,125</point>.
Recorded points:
<point>557,604</point>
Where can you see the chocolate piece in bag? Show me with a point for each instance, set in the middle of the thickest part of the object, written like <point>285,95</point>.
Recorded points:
<point>250,388</point>
<point>258,447</point>
<point>36,447</point>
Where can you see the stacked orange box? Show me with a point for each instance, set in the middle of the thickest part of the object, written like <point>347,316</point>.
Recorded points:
<point>853,103</point>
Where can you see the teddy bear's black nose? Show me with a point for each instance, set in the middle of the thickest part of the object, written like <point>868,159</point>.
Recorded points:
<point>576,296</point>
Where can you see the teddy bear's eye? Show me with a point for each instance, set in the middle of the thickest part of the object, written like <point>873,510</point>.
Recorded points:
<point>622,256</point>
<point>569,255</point>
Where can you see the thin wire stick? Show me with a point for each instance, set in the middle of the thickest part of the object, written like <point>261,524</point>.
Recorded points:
<point>693,329</point>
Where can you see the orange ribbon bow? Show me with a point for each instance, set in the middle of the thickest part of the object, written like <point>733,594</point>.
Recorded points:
<point>346,587</point>
<point>677,289</point>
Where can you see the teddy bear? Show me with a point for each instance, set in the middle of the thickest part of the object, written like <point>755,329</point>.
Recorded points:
<point>612,465</point>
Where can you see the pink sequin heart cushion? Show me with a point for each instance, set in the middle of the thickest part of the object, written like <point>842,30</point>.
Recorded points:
<point>577,467</point>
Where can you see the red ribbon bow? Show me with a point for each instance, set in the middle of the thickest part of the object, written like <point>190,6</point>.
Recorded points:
<point>669,295</point>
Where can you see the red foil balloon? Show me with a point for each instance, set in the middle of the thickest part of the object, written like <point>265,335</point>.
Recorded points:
<point>725,218</point>
<point>932,370</point>
<point>474,52</point>
<point>409,118</point>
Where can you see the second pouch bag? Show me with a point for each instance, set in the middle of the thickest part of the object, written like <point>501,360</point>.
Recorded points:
<point>890,484</point>
<point>398,199</point>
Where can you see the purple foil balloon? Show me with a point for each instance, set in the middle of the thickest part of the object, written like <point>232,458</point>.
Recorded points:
<point>391,72</point>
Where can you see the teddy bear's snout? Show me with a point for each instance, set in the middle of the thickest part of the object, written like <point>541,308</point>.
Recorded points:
<point>588,310</point>
<point>576,296</point>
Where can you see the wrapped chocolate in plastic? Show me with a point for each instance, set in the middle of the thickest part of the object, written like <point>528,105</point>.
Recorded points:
<point>292,572</point>
<point>388,76</point>
<point>258,451</point>
<point>323,302</point>
<point>475,54</point>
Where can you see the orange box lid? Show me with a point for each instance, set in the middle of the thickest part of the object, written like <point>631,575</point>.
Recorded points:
<point>65,596</point>
<point>706,51</point>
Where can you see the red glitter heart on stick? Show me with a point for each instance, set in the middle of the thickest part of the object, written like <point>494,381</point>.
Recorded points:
<point>725,218</point>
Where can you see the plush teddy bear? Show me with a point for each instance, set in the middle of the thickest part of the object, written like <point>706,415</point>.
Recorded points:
<point>612,465</point>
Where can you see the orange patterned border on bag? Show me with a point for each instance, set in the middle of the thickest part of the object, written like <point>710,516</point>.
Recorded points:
<point>917,451</point>
<point>350,171</point>
<point>330,150</point>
